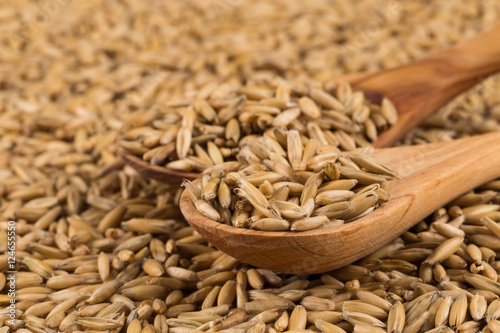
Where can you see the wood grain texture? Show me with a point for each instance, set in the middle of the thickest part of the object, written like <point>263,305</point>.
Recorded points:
<point>159,173</point>
<point>422,87</point>
<point>429,177</point>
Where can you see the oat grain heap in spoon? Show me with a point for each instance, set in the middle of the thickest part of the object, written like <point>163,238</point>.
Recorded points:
<point>276,188</point>
<point>194,135</point>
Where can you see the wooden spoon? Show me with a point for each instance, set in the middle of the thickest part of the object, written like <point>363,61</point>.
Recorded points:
<point>159,173</point>
<point>420,88</point>
<point>417,90</point>
<point>430,176</point>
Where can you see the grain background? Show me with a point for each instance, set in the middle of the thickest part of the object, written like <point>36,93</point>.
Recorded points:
<point>101,248</point>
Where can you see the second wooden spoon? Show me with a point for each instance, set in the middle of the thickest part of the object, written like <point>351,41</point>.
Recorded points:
<point>430,176</point>
<point>417,90</point>
<point>420,88</point>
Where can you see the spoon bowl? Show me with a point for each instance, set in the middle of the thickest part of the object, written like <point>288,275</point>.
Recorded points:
<point>159,173</point>
<point>429,177</point>
<point>417,90</point>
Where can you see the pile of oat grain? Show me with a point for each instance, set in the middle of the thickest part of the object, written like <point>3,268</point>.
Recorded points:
<point>100,248</point>
<point>194,134</point>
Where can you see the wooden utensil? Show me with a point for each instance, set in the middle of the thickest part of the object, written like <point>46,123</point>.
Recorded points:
<point>159,173</point>
<point>429,177</point>
<point>420,88</point>
<point>417,90</point>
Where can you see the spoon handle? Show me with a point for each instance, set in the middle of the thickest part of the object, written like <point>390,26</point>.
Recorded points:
<point>437,173</point>
<point>420,88</point>
<point>451,72</point>
<point>475,59</point>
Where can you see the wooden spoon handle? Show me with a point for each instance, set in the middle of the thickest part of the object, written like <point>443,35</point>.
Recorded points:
<point>420,88</point>
<point>476,58</point>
